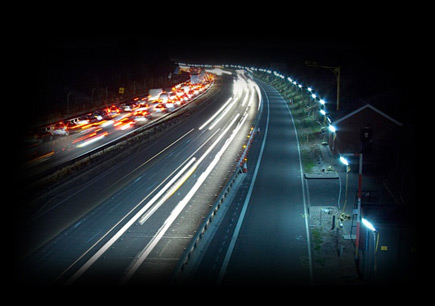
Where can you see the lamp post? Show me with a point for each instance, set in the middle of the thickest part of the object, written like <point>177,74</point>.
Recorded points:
<point>336,70</point>
<point>375,232</point>
<point>345,162</point>
<point>332,129</point>
<point>357,211</point>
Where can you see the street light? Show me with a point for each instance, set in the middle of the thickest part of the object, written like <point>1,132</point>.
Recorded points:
<point>335,70</point>
<point>371,227</point>
<point>368,224</point>
<point>344,161</point>
<point>357,211</point>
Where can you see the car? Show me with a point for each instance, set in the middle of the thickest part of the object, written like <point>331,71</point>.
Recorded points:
<point>95,135</point>
<point>164,97</point>
<point>112,111</point>
<point>159,108</point>
<point>124,123</point>
<point>60,129</point>
<point>141,116</point>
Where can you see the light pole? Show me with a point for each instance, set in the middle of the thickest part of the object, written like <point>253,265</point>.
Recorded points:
<point>357,211</point>
<point>333,130</point>
<point>336,70</point>
<point>375,232</point>
<point>345,162</point>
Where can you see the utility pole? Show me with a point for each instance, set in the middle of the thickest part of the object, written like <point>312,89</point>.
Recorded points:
<point>335,70</point>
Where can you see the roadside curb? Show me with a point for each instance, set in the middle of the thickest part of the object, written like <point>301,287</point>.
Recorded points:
<point>327,175</point>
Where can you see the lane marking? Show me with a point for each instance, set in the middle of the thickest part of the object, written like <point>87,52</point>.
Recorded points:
<point>142,256</point>
<point>97,178</point>
<point>123,229</point>
<point>215,114</point>
<point>307,230</point>
<point>245,204</point>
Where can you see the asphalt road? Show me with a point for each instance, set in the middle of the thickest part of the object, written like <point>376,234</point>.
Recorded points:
<point>63,149</point>
<point>130,223</point>
<point>264,237</point>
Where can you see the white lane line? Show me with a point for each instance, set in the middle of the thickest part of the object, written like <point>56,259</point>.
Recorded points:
<point>180,206</point>
<point>149,213</point>
<point>215,114</point>
<point>118,234</point>
<point>94,180</point>
<point>101,251</point>
<point>307,230</point>
<point>245,204</point>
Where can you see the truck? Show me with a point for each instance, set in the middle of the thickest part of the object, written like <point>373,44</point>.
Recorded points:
<point>154,94</point>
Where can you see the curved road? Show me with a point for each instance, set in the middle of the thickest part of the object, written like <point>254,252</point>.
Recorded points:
<point>264,237</point>
<point>130,223</point>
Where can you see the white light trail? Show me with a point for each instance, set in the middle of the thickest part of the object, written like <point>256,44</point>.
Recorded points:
<point>182,204</point>
<point>215,115</point>
<point>115,237</point>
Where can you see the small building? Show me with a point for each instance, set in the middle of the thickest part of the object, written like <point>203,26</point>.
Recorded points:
<point>388,247</point>
<point>366,130</point>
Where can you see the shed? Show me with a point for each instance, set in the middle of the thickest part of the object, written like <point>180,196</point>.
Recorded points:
<point>366,130</point>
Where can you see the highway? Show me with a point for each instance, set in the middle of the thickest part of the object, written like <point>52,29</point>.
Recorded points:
<point>74,138</point>
<point>130,223</point>
<point>264,237</point>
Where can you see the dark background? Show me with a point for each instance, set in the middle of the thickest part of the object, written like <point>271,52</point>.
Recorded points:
<point>79,63</point>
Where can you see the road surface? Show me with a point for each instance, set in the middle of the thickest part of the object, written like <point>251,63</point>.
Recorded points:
<point>130,223</point>
<point>264,237</point>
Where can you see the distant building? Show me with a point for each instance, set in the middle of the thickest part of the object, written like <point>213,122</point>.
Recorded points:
<point>366,130</point>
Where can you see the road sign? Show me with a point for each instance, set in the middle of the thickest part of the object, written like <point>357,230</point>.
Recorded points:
<point>121,90</point>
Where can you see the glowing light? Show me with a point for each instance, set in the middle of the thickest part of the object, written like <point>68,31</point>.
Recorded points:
<point>344,161</point>
<point>368,224</point>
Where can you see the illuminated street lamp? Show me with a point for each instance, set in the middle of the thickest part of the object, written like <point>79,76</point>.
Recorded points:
<point>344,161</point>
<point>368,224</point>
<point>357,211</point>
<point>332,129</point>
<point>371,227</point>
<point>335,70</point>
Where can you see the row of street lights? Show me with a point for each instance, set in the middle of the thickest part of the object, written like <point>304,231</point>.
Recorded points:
<point>342,157</point>
<point>315,97</point>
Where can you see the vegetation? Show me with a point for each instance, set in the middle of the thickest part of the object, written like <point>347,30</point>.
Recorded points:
<point>308,120</point>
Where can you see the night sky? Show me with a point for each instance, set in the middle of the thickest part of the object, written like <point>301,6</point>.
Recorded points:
<point>81,63</point>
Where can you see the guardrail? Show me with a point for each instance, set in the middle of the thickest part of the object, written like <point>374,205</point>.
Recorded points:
<point>167,119</point>
<point>191,252</point>
<point>194,244</point>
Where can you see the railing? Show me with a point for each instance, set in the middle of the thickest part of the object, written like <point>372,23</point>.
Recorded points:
<point>160,123</point>
<point>194,244</point>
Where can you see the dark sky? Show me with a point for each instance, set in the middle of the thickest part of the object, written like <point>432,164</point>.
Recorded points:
<point>370,64</point>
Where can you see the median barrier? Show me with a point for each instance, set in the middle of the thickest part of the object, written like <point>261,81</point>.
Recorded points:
<point>191,257</point>
<point>155,127</point>
<point>198,244</point>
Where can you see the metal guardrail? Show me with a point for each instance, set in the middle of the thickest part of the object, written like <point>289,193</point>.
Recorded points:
<point>223,196</point>
<point>195,241</point>
<point>166,119</point>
